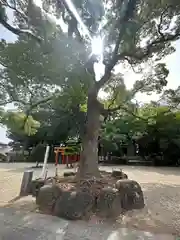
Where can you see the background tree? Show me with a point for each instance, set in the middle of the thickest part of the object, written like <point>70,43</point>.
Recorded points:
<point>161,136</point>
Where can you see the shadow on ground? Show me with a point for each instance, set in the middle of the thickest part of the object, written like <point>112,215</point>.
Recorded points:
<point>161,213</point>
<point>21,225</point>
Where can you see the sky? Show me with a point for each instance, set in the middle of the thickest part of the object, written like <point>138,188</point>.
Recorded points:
<point>172,62</point>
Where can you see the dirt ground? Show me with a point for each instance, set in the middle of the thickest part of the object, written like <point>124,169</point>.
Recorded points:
<point>161,187</point>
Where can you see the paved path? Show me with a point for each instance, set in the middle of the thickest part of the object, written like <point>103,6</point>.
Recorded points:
<point>31,226</point>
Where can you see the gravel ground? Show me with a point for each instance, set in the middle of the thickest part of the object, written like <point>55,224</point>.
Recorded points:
<point>161,188</point>
<point>9,185</point>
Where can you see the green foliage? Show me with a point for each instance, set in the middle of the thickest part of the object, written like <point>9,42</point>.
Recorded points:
<point>40,70</point>
<point>154,80</point>
<point>156,129</point>
<point>59,120</point>
<point>37,76</point>
<point>19,123</point>
<point>72,150</point>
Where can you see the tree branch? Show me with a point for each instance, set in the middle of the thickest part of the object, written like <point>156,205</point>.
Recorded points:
<point>142,53</point>
<point>133,114</point>
<point>89,65</point>
<point>42,101</point>
<point>6,4</point>
<point>18,31</point>
<point>11,94</point>
<point>111,65</point>
<point>113,100</point>
<point>3,65</point>
<point>168,111</point>
<point>131,64</point>
<point>73,19</point>
<point>6,102</point>
<point>159,26</point>
<point>45,100</point>
<point>126,13</point>
<point>107,111</point>
<point>14,99</point>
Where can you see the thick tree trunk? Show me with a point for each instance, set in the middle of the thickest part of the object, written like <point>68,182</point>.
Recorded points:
<point>130,149</point>
<point>89,158</point>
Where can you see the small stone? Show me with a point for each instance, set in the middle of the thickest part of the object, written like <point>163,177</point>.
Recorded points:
<point>124,176</point>
<point>116,173</point>
<point>47,197</point>
<point>131,194</point>
<point>67,174</point>
<point>119,174</point>
<point>74,205</point>
<point>108,202</point>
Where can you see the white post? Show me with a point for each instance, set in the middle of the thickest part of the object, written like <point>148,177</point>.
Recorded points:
<point>43,173</point>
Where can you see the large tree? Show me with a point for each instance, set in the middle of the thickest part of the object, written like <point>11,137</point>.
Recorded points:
<point>132,31</point>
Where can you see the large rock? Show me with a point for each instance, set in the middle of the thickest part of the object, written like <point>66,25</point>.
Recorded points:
<point>47,197</point>
<point>108,203</point>
<point>74,205</point>
<point>131,194</point>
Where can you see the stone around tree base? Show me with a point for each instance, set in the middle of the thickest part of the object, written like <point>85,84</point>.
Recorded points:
<point>47,198</point>
<point>67,174</point>
<point>35,186</point>
<point>74,205</point>
<point>131,194</point>
<point>78,201</point>
<point>119,174</point>
<point>36,167</point>
<point>108,203</point>
<point>69,166</point>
